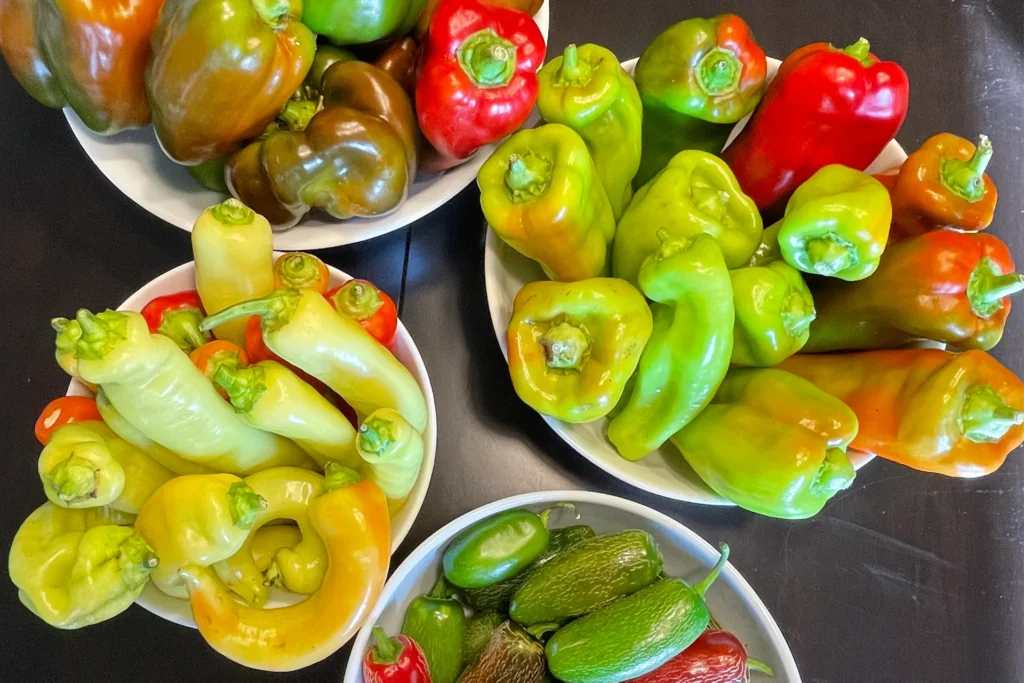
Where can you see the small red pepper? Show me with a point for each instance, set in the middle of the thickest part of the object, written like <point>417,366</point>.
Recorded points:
<point>62,411</point>
<point>715,657</point>
<point>824,106</point>
<point>212,355</point>
<point>477,80</point>
<point>395,660</point>
<point>369,306</point>
<point>177,317</point>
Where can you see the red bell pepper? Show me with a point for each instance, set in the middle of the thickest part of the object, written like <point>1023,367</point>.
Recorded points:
<point>824,106</point>
<point>62,411</point>
<point>395,660</point>
<point>369,306</point>
<point>477,80</point>
<point>177,316</point>
<point>715,657</point>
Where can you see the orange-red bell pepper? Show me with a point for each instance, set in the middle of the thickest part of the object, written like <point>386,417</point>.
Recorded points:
<point>62,411</point>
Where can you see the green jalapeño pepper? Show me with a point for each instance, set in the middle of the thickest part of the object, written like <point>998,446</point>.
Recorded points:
<point>539,192</point>
<point>696,79</point>
<point>357,22</point>
<point>772,443</point>
<point>774,311</point>
<point>587,90</point>
<point>836,225</point>
<point>573,346</point>
<point>688,354</point>
<point>437,623</point>
<point>696,193</point>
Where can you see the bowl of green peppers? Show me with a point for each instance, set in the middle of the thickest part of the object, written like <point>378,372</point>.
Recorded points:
<point>567,583</point>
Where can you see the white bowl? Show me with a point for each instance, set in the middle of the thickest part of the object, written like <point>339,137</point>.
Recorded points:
<point>733,603</point>
<point>663,472</point>
<point>183,277</point>
<point>135,164</point>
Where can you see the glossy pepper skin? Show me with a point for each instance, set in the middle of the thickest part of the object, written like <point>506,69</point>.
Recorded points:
<point>399,62</point>
<point>774,310</point>
<point>946,286</point>
<point>75,568</point>
<point>395,660</point>
<point>177,316</point>
<point>715,657</point>
<point>351,518</point>
<point>836,225</point>
<point>824,106</point>
<point>540,193</point>
<point>696,79</point>
<point>935,411</point>
<point>572,346</point>
<point>689,351</point>
<point>436,622</point>
<point>586,89</point>
<point>221,71</point>
<point>62,411</point>
<point>369,306</point>
<point>530,7</point>
<point>772,443</point>
<point>496,548</point>
<point>210,356</point>
<point>696,193</point>
<point>357,22</point>
<point>944,185</point>
<point>477,79</point>
<point>392,452</point>
<point>20,48</point>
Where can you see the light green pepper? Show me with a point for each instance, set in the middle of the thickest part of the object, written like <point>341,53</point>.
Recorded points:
<point>392,450</point>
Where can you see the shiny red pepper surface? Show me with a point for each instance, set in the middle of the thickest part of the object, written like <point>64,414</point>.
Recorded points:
<point>824,106</point>
<point>715,657</point>
<point>177,316</point>
<point>395,660</point>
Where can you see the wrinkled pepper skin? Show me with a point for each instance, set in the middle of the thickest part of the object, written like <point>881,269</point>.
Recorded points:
<point>836,225</point>
<point>944,185</point>
<point>696,79</point>
<point>696,193</point>
<point>221,71</point>
<point>573,346</point>
<point>944,286</point>
<point>689,351</point>
<point>771,442</point>
<point>20,48</point>
<point>586,89</point>
<point>931,410</point>
<point>824,106</point>
<point>774,310</point>
<point>357,22</point>
<point>540,193</point>
<point>75,568</point>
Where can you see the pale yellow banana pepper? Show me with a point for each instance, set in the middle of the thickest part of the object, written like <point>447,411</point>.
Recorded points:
<point>392,451</point>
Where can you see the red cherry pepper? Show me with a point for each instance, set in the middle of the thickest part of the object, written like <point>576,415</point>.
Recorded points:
<point>715,657</point>
<point>477,80</point>
<point>395,660</point>
<point>824,106</point>
<point>369,306</point>
<point>177,316</point>
<point>62,411</point>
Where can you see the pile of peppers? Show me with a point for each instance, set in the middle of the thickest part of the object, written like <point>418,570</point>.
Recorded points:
<point>288,105</point>
<point>217,463</point>
<point>692,288</point>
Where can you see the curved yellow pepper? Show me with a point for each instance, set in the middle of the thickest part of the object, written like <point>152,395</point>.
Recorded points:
<point>392,450</point>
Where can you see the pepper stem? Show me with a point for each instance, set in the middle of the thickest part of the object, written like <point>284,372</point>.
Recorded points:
<point>274,310</point>
<point>835,473</point>
<point>136,560</point>
<point>988,286</point>
<point>704,584</point>
<point>68,334</point>
<point>75,478</point>
<point>565,346</point>
<point>440,589</point>
<point>760,667</point>
<point>244,386</point>
<point>718,72</point>
<point>100,332</point>
<point>338,476</point>
<point>385,650</point>
<point>357,300</point>
<point>861,51</point>
<point>830,255</point>
<point>572,71</point>
<point>545,515</point>
<point>797,315</point>
<point>527,177</point>
<point>966,179</point>
<point>488,59</point>
<point>376,436</point>
<point>297,113</point>
<point>244,504</point>
<point>232,212</point>
<point>985,417</point>
<point>298,270</point>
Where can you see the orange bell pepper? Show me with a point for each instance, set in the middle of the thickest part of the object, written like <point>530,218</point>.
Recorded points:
<point>352,520</point>
<point>935,411</point>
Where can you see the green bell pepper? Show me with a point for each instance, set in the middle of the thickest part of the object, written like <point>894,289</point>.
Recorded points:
<point>836,225</point>
<point>696,193</point>
<point>688,353</point>
<point>772,442</point>
<point>587,90</point>
<point>774,311</point>
<point>357,22</point>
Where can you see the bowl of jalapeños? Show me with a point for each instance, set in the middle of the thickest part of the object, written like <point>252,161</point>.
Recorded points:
<point>404,348</point>
<point>507,272</point>
<point>585,586</point>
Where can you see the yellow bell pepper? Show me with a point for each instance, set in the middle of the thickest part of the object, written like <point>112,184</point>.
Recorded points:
<point>300,567</point>
<point>76,567</point>
<point>196,519</point>
<point>392,451</point>
<point>234,252</point>
<point>352,520</point>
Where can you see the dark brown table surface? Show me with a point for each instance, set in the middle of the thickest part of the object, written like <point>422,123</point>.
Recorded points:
<point>904,577</point>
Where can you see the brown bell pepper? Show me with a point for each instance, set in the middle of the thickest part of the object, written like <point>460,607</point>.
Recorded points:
<point>20,49</point>
<point>399,61</point>
<point>935,411</point>
<point>945,286</point>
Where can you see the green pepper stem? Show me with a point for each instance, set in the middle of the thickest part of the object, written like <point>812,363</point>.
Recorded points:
<point>966,179</point>
<point>538,631</point>
<point>988,286</point>
<point>704,584</point>
<point>376,435</point>
<point>297,113</point>
<point>274,310</point>
<point>440,589</point>
<point>232,212</point>
<point>830,255</point>
<point>835,473</point>
<point>545,516</point>
<point>298,270</point>
<point>272,577</point>
<point>358,300</point>
<point>244,504</point>
<point>527,177</point>
<point>338,476</point>
<point>488,59</point>
<point>985,417</point>
<point>861,51</point>
<point>136,560</point>
<point>797,315</point>
<point>718,72</point>
<point>759,666</point>
<point>385,650</point>
<point>99,332</point>
<point>565,346</point>
<point>244,386</point>
<point>572,71</point>
<point>74,478</point>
